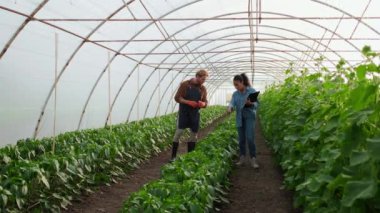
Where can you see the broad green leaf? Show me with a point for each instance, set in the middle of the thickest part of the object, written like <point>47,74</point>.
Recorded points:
<point>361,71</point>
<point>355,190</point>
<point>224,200</point>
<point>195,209</point>
<point>57,196</point>
<point>56,164</point>
<point>64,203</point>
<point>361,95</point>
<point>187,173</point>
<point>7,192</point>
<point>88,168</point>
<point>107,152</point>
<point>62,176</point>
<point>19,202</point>
<point>153,141</point>
<point>6,159</point>
<point>291,138</point>
<point>24,189</point>
<point>45,181</point>
<point>366,49</point>
<point>358,157</point>
<point>374,147</point>
<point>372,67</point>
<point>5,199</point>
<point>352,139</point>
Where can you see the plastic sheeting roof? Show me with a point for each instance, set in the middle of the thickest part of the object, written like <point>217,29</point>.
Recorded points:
<point>120,60</point>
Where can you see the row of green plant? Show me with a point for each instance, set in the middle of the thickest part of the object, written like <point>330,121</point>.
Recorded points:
<point>325,129</point>
<point>34,178</point>
<point>193,182</point>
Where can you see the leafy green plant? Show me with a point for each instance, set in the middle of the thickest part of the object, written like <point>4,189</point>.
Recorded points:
<point>325,129</point>
<point>194,181</point>
<point>34,178</point>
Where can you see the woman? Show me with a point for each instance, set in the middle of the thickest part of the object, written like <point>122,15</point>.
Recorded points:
<point>245,117</point>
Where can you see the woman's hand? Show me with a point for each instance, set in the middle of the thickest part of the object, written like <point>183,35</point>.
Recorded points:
<point>248,102</point>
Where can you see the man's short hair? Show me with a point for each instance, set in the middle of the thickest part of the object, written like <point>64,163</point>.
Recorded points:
<point>201,73</point>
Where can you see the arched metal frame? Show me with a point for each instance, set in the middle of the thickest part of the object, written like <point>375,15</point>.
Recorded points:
<point>172,68</point>
<point>134,101</point>
<point>262,26</point>
<point>31,17</point>
<point>18,31</point>
<point>210,41</point>
<point>134,69</point>
<point>119,91</point>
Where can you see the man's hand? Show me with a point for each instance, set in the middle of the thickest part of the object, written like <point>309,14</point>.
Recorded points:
<point>229,109</point>
<point>191,103</point>
<point>201,104</point>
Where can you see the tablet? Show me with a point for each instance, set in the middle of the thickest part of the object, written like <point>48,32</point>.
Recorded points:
<point>253,96</point>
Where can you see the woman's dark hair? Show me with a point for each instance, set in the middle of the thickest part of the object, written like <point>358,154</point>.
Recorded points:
<point>242,78</point>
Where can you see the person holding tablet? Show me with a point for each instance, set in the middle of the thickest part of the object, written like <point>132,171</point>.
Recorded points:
<point>244,102</point>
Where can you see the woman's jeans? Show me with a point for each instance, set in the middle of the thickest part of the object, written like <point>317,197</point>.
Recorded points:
<point>247,133</point>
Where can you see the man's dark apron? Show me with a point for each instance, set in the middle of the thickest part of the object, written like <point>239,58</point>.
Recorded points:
<point>189,117</point>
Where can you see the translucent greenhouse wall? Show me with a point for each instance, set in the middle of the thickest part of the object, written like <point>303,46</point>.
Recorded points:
<point>132,55</point>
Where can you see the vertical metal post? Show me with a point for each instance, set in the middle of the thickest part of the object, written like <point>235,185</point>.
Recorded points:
<point>109,90</point>
<point>252,43</point>
<point>172,90</point>
<point>137,92</point>
<point>159,92</point>
<point>55,89</point>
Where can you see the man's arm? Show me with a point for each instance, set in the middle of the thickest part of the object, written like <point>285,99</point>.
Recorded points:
<point>181,92</point>
<point>204,97</point>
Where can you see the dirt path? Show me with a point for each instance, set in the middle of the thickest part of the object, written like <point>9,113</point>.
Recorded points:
<point>258,191</point>
<point>110,198</point>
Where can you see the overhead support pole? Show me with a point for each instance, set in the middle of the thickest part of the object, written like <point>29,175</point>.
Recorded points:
<point>247,51</point>
<point>361,17</point>
<point>312,54</point>
<point>205,19</point>
<point>252,42</point>
<point>332,35</point>
<point>260,17</point>
<point>233,39</point>
<point>22,26</point>
<point>257,18</point>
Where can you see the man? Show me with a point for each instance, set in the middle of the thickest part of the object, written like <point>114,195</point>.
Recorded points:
<point>191,96</point>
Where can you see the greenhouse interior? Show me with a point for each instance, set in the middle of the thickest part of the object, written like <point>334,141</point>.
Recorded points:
<point>272,106</point>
